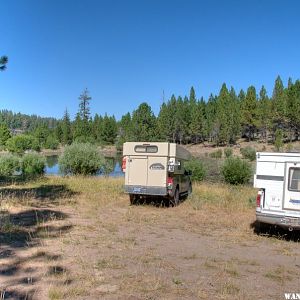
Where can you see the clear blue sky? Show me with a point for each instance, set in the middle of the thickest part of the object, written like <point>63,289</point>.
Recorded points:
<point>127,52</point>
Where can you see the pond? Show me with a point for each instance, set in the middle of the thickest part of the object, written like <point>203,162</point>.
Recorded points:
<point>52,167</point>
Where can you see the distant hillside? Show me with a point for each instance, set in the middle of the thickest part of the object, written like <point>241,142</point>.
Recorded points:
<point>18,121</point>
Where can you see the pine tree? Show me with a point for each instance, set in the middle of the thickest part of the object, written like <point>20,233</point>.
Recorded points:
<point>163,123</point>
<point>197,121</point>
<point>125,128</point>
<point>4,134</point>
<point>58,132</point>
<point>234,117</point>
<point>223,116</point>
<point>279,105</point>
<point>210,125</point>
<point>144,123</point>
<point>293,109</point>
<point>249,113</point>
<point>41,133</point>
<point>84,105</point>
<point>109,129</point>
<point>78,131</point>
<point>97,128</point>
<point>84,113</point>
<point>66,137</point>
<point>264,114</point>
<point>180,126</point>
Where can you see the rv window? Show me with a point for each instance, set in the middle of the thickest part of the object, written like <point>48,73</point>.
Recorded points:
<point>294,179</point>
<point>145,149</point>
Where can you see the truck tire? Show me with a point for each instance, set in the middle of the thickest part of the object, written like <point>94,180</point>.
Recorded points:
<point>174,201</point>
<point>133,199</point>
<point>190,190</point>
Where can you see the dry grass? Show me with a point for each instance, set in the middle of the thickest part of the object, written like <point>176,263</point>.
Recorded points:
<point>147,252</point>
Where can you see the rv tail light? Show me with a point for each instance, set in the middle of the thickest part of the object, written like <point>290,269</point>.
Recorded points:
<point>124,163</point>
<point>170,183</point>
<point>258,198</point>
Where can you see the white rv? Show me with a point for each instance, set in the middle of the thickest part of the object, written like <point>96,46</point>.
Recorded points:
<point>278,180</point>
<point>155,169</point>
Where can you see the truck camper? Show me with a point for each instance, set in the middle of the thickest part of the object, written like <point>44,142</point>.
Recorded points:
<point>155,169</point>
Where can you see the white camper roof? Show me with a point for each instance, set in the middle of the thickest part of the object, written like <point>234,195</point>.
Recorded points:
<point>277,156</point>
<point>156,149</point>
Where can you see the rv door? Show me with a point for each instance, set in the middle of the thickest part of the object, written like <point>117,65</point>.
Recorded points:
<point>291,199</point>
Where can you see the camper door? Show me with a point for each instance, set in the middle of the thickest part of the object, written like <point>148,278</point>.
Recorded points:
<point>137,174</point>
<point>291,199</point>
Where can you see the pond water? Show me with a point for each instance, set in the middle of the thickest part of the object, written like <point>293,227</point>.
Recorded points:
<point>52,167</point>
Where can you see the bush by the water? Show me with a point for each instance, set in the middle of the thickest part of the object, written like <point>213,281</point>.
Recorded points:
<point>107,167</point>
<point>216,154</point>
<point>81,158</point>
<point>228,152</point>
<point>249,153</point>
<point>197,169</point>
<point>20,143</point>
<point>9,164</point>
<point>236,171</point>
<point>51,143</point>
<point>33,165</point>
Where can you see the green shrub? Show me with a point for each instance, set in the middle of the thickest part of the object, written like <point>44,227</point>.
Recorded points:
<point>81,158</point>
<point>216,154</point>
<point>107,167</point>
<point>33,165</point>
<point>249,153</point>
<point>236,171</point>
<point>35,145</point>
<point>84,140</point>
<point>228,152</point>
<point>197,169</point>
<point>51,143</point>
<point>9,164</point>
<point>20,143</point>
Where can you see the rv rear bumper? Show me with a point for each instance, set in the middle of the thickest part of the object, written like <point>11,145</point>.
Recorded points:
<point>146,190</point>
<point>279,220</point>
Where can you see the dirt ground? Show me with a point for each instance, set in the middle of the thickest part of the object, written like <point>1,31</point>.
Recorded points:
<point>62,244</point>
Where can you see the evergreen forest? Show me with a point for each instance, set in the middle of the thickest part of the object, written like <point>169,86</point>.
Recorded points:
<point>221,119</point>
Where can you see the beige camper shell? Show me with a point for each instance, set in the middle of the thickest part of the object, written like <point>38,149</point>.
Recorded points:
<point>155,169</point>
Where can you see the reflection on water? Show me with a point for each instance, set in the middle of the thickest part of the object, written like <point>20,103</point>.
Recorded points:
<point>113,166</point>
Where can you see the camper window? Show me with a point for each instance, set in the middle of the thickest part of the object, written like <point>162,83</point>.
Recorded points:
<point>145,149</point>
<point>294,179</point>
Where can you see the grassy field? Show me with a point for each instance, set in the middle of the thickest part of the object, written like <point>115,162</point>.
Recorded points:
<point>78,238</point>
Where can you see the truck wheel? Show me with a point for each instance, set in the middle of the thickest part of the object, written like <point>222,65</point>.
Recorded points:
<point>133,199</point>
<point>175,200</point>
<point>190,190</point>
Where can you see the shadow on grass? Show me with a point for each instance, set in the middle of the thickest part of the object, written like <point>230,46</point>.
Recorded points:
<point>27,229</point>
<point>272,231</point>
<point>24,229</point>
<point>41,196</point>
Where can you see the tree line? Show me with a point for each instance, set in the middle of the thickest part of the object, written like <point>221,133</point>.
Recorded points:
<point>221,119</point>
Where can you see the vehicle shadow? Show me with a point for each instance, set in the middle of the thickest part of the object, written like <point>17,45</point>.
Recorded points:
<point>272,231</point>
<point>157,201</point>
